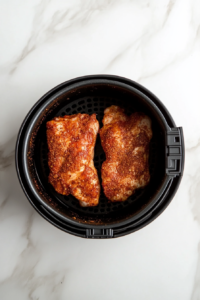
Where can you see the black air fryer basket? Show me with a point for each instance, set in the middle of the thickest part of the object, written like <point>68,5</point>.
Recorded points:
<point>92,94</point>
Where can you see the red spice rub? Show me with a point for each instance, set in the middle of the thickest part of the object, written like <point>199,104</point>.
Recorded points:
<point>71,141</point>
<point>125,140</point>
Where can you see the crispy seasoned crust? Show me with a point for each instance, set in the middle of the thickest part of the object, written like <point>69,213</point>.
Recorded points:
<point>125,140</point>
<point>71,141</point>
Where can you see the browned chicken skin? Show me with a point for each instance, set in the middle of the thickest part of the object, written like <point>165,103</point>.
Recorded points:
<point>71,141</point>
<point>125,140</point>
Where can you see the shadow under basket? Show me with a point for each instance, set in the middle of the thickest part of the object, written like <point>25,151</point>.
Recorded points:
<point>92,94</point>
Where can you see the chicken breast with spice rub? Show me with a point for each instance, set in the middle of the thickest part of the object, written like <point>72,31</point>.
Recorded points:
<point>125,140</point>
<point>71,141</point>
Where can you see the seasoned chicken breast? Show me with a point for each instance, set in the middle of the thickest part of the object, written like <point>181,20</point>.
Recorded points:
<point>125,140</point>
<point>71,141</point>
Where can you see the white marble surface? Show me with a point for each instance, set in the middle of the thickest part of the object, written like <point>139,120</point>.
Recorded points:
<point>46,42</point>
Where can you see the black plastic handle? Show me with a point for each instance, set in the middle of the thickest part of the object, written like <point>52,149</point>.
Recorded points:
<point>99,233</point>
<point>174,152</point>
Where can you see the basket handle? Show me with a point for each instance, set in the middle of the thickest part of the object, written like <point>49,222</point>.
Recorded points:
<point>174,152</point>
<point>99,233</point>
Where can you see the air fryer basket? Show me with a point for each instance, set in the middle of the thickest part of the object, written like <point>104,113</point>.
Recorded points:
<point>92,94</point>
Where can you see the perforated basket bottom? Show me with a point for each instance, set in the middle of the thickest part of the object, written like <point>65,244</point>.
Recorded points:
<point>90,106</point>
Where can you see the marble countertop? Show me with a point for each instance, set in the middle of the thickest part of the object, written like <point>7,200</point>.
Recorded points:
<point>46,42</point>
